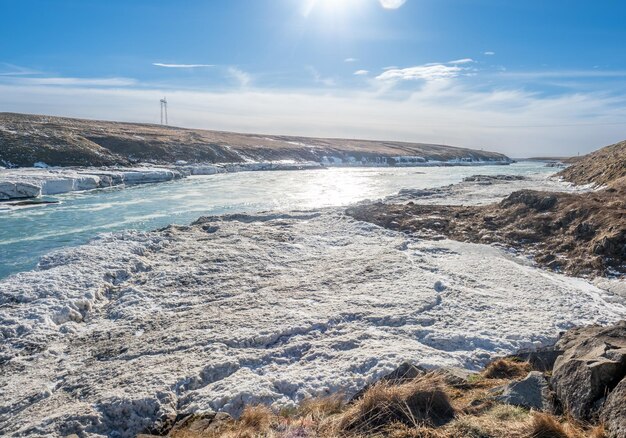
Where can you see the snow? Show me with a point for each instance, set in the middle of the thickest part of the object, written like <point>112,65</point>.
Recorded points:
<point>37,181</point>
<point>106,338</point>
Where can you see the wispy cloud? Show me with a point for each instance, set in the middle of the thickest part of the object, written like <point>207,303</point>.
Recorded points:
<point>564,74</point>
<point>489,53</point>
<point>350,60</point>
<point>242,77</point>
<point>361,72</point>
<point>392,4</point>
<point>461,61</point>
<point>427,72</point>
<point>160,64</point>
<point>508,120</point>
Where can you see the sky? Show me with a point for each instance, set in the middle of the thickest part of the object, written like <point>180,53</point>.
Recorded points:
<point>526,78</point>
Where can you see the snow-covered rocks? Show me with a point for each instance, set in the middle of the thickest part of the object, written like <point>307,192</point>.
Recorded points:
<point>106,338</point>
<point>18,190</point>
<point>33,182</point>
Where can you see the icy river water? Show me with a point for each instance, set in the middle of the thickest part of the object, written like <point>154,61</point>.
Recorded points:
<point>27,234</point>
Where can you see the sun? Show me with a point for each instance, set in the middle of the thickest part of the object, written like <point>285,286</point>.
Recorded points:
<point>331,7</point>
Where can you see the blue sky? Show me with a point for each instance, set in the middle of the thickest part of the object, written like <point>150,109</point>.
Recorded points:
<point>524,78</point>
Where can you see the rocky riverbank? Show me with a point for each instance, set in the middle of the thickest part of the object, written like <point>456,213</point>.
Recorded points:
<point>577,233</point>
<point>575,388</point>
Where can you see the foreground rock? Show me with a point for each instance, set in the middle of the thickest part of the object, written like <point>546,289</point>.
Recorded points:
<point>613,413</point>
<point>530,393</point>
<point>592,364</point>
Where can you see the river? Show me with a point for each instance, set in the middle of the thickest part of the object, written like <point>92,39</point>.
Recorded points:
<point>28,233</point>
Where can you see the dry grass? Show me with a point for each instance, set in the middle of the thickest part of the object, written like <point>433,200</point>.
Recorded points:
<point>421,408</point>
<point>320,408</point>
<point>547,426</point>
<point>506,369</point>
<point>257,418</point>
<point>420,402</point>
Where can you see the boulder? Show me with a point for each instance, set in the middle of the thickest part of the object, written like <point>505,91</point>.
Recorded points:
<point>531,393</point>
<point>542,359</point>
<point>592,364</point>
<point>613,413</point>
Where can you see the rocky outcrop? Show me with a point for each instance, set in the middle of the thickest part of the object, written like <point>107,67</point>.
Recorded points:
<point>613,414</point>
<point>530,393</point>
<point>592,365</point>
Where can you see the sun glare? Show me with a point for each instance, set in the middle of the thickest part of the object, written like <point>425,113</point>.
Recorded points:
<point>331,7</point>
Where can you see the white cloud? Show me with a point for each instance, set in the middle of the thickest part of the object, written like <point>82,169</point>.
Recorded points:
<point>461,61</point>
<point>489,53</point>
<point>160,64</point>
<point>438,108</point>
<point>350,60</point>
<point>242,77</point>
<point>564,74</point>
<point>392,4</point>
<point>427,72</point>
<point>512,121</point>
<point>361,72</point>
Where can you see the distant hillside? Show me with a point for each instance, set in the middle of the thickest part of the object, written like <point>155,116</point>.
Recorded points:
<point>602,167</point>
<point>27,139</point>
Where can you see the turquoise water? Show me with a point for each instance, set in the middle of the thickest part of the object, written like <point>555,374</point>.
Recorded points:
<point>26,234</point>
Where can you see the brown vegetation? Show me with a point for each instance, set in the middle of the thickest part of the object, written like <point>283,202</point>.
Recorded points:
<point>506,369</point>
<point>420,402</point>
<point>423,407</point>
<point>602,167</point>
<point>58,141</point>
<point>580,234</point>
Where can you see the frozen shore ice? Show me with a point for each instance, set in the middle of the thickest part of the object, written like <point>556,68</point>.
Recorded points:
<point>107,338</point>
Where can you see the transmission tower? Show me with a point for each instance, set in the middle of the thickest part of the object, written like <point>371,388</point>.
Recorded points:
<point>163,110</point>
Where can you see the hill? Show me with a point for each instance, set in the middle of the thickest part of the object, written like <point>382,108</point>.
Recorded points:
<point>27,139</point>
<point>602,167</point>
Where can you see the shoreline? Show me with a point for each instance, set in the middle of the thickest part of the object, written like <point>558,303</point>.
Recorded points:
<point>33,182</point>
